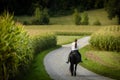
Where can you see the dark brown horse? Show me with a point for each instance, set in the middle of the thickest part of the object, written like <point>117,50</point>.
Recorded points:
<point>74,58</point>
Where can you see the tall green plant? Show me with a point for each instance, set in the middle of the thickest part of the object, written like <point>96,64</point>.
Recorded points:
<point>77,17</point>
<point>37,13</point>
<point>41,16</point>
<point>43,42</point>
<point>85,19</point>
<point>97,22</point>
<point>15,48</point>
<point>108,38</point>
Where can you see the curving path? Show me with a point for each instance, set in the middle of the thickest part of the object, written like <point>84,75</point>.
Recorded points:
<point>56,67</point>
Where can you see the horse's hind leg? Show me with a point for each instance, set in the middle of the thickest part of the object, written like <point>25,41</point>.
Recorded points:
<point>71,68</point>
<point>75,69</point>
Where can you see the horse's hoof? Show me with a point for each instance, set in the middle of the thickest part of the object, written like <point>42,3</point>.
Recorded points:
<point>74,74</point>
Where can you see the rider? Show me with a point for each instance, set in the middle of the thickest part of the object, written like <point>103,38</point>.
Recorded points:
<point>74,49</point>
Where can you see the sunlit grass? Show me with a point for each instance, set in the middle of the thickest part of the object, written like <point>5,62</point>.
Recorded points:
<point>98,14</point>
<point>41,29</point>
<point>66,39</point>
<point>106,63</point>
<point>37,70</point>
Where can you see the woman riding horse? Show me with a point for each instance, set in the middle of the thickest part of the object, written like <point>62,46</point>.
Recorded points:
<point>74,58</point>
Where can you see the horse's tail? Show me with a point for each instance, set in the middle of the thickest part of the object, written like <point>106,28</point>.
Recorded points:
<point>75,57</point>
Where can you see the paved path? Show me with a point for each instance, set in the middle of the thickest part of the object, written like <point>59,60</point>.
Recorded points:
<point>55,65</point>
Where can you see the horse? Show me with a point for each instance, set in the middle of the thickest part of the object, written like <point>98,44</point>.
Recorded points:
<point>75,58</point>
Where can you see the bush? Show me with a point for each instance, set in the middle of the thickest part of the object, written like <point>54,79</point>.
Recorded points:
<point>77,17</point>
<point>15,48</point>
<point>74,33</point>
<point>41,17</point>
<point>97,22</point>
<point>85,19</point>
<point>43,42</point>
<point>27,22</point>
<point>108,38</point>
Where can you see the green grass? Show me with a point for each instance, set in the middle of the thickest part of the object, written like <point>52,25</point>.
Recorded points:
<point>66,39</point>
<point>112,59</point>
<point>65,24</point>
<point>102,16</point>
<point>62,29</point>
<point>102,62</point>
<point>98,14</point>
<point>37,70</point>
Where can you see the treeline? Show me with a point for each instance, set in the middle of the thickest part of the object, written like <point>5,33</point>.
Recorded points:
<point>27,7</point>
<point>55,7</point>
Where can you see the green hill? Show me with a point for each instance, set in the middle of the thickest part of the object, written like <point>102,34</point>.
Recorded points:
<point>98,14</point>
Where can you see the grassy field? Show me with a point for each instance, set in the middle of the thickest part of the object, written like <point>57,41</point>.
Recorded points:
<point>102,62</point>
<point>93,15</point>
<point>70,29</point>
<point>106,63</point>
<point>66,39</point>
<point>99,14</point>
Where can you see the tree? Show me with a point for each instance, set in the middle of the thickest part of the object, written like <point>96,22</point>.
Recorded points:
<point>113,9</point>
<point>41,16</point>
<point>77,17</point>
<point>85,19</point>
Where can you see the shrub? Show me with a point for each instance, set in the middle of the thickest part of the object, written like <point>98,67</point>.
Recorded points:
<point>85,19</point>
<point>74,33</point>
<point>41,17</point>
<point>15,48</point>
<point>108,38</point>
<point>27,22</point>
<point>43,42</point>
<point>97,22</point>
<point>77,17</point>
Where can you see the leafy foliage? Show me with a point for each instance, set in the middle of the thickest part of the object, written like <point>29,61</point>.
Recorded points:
<point>113,9</point>
<point>23,7</point>
<point>41,17</point>
<point>77,17</point>
<point>85,19</point>
<point>15,48</point>
<point>43,42</point>
<point>107,38</point>
<point>97,22</point>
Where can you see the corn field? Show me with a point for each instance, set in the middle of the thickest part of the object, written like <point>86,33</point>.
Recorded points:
<point>17,49</point>
<point>43,42</point>
<point>107,38</point>
<point>14,48</point>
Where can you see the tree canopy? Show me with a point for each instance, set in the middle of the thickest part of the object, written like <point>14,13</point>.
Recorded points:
<point>113,9</point>
<point>27,7</point>
<point>20,7</point>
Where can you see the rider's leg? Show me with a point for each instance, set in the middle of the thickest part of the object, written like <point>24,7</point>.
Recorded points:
<point>69,57</point>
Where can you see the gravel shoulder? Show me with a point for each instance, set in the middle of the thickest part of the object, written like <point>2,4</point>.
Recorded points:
<point>56,67</point>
